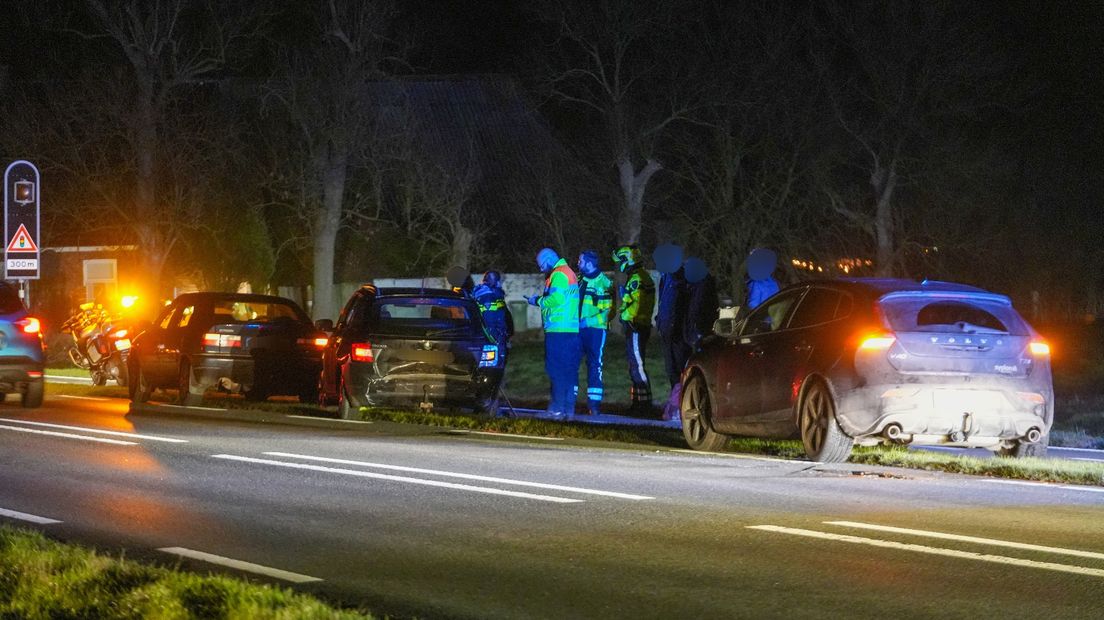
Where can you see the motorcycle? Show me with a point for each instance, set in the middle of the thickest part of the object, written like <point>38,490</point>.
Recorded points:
<point>101,343</point>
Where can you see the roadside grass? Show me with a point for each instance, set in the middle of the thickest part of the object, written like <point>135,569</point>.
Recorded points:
<point>1040,470</point>
<point>42,578</point>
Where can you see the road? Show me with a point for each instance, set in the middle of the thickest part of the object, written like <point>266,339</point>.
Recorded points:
<point>417,521</point>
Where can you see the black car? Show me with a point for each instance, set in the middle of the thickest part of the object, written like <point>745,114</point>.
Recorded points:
<point>870,361</point>
<point>409,346</point>
<point>259,345</point>
<point>22,353</point>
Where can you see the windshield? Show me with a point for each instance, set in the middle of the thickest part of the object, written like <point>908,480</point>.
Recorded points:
<point>932,314</point>
<point>242,311</point>
<point>419,317</point>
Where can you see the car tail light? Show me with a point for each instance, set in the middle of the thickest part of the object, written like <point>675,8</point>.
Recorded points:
<point>120,334</point>
<point>877,342</point>
<point>123,344</point>
<point>489,355</point>
<point>29,325</point>
<point>315,342</point>
<point>34,374</point>
<point>222,340</point>
<point>362,352</point>
<point>1039,348</point>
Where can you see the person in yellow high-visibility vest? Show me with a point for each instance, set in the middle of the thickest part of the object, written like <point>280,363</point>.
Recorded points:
<point>559,306</point>
<point>637,303</point>
<point>596,302</point>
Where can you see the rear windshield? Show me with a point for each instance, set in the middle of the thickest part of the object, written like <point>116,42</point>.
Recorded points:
<point>932,314</point>
<point>418,317</point>
<point>231,311</point>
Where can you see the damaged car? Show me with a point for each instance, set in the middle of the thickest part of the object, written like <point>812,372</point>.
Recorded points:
<point>256,345</point>
<point>410,347</point>
<point>874,361</point>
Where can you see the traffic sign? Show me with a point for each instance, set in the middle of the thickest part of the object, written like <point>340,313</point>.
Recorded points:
<point>21,217</point>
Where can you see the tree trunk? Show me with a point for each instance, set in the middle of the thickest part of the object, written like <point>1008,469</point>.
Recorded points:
<point>460,255</point>
<point>633,185</point>
<point>884,181</point>
<point>151,246</point>
<point>325,235</point>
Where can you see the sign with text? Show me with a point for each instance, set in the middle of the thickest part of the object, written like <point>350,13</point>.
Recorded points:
<point>21,218</point>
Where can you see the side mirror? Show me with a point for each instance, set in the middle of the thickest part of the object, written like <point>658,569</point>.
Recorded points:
<point>325,325</point>
<point>725,327</point>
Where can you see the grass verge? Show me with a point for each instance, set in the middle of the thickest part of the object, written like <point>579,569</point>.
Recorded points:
<point>1040,470</point>
<point>42,578</point>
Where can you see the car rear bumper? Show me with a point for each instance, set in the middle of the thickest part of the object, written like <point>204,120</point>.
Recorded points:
<point>286,375</point>
<point>982,416</point>
<point>366,390</point>
<point>16,374</point>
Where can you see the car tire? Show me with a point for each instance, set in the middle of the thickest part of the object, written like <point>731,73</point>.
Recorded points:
<point>824,440</point>
<point>188,393</point>
<point>489,406</point>
<point>33,395</point>
<point>346,411</point>
<point>122,377</point>
<point>140,388</point>
<point>695,409</point>
<point>1022,449</point>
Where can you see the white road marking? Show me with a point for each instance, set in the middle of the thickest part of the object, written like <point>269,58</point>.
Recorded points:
<point>435,472</point>
<point>1074,449</point>
<point>68,436</point>
<point>463,432</point>
<point>951,553</point>
<point>368,474</point>
<point>67,379</point>
<point>22,516</point>
<point>97,430</point>
<point>240,565</point>
<point>1081,458</point>
<point>100,398</point>
<point>314,417</point>
<point>969,539</point>
<point>1047,485</point>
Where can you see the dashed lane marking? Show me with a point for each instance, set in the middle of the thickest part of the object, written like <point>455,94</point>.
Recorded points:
<point>951,553</point>
<point>1047,485</point>
<point>23,516</point>
<point>115,442</point>
<point>420,481</point>
<point>97,398</point>
<point>449,474</point>
<point>240,565</point>
<point>969,539</point>
<point>99,431</point>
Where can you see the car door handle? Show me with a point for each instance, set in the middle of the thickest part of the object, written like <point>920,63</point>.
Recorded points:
<point>755,353</point>
<point>802,348</point>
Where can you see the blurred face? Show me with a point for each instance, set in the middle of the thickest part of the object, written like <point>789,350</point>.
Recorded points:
<point>584,265</point>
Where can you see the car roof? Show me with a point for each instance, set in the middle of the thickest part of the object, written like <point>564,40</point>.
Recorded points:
<point>245,297</point>
<point>411,291</point>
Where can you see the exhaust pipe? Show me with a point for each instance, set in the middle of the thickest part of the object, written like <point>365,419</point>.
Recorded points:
<point>894,433</point>
<point>1033,435</point>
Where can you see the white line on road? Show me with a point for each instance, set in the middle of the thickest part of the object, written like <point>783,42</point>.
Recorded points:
<point>435,472</point>
<point>96,430</point>
<point>22,516</point>
<point>314,417</point>
<point>99,398</point>
<point>1047,485</point>
<point>368,474</point>
<point>68,436</point>
<point>240,565</point>
<point>969,539</point>
<point>67,379</point>
<point>951,553</point>
<point>1074,449</point>
<point>1081,458</point>
<point>463,432</point>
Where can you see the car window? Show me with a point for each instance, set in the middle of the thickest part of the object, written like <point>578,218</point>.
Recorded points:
<point>9,299</point>
<point>772,315</point>
<point>245,310</point>
<point>184,316</point>
<point>817,307</point>
<point>932,314</point>
<point>165,319</point>
<point>419,317</point>
<point>346,312</point>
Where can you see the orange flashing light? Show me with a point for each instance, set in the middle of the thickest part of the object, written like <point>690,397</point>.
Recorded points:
<point>1039,348</point>
<point>877,342</point>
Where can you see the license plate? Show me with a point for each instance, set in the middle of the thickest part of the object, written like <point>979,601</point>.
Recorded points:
<point>966,401</point>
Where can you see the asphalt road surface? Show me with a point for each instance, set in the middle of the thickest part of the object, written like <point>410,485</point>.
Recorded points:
<point>415,521</point>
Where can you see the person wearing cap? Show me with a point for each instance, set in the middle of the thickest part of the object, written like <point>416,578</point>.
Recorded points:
<point>492,307</point>
<point>596,301</point>
<point>637,304</point>
<point>559,306</point>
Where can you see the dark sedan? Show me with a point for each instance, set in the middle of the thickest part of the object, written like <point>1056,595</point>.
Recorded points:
<point>407,346</point>
<point>259,345</point>
<point>870,361</point>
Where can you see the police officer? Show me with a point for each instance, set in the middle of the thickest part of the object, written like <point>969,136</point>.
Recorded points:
<point>637,303</point>
<point>596,301</point>
<point>492,306</point>
<point>559,306</point>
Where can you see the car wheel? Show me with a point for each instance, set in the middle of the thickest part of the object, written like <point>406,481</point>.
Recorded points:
<point>188,393</point>
<point>345,410</point>
<point>122,377</point>
<point>489,406</point>
<point>140,389</point>
<point>1023,449</point>
<point>695,411</point>
<point>824,440</point>
<point>32,397</point>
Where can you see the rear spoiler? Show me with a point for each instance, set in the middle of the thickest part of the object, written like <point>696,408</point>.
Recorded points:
<point>971,296</point>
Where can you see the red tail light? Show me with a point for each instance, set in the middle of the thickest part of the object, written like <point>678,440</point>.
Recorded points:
<point>222,340</point>
<point>29,325</point>
<point>362,352</point>
<point>877,342</point>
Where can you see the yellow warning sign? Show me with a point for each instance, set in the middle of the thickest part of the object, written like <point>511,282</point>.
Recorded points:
<point>22,241</point>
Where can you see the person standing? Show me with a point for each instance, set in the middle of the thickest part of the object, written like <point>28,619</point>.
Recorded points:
<point>761,283</point>
<point>596,301</point>
<point>492,307</point>
<point>671,314</point>
<point>703,303</point>
<point>637,304</point>
<point>559,306</point>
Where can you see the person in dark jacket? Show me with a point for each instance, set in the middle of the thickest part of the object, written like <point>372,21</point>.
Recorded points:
<point>492,306</point>
<point>703,304</point>
<point>671,313</point>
